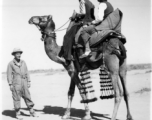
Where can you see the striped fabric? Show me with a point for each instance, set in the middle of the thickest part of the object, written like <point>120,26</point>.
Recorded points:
<point>87,91</point>
<point>82,7</point>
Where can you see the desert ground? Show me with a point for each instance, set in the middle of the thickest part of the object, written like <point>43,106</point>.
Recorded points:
<point>49,93</point>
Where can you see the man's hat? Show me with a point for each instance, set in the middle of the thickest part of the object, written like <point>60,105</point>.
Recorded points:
<point>16,50</point>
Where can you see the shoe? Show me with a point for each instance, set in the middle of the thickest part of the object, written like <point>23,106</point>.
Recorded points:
<point>61,59</point>
<point>19,117</point>
<point>32,113</point>
<point>85,54</point>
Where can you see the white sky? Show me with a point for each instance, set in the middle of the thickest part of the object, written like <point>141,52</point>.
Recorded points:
<point>16,32</point>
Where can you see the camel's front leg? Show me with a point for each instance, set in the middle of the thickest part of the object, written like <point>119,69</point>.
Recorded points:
<point>74,81</point>
<point>70,97</point>
<point>71,93</point>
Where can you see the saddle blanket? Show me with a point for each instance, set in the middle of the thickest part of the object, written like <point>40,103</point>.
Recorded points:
<point>100,36</point>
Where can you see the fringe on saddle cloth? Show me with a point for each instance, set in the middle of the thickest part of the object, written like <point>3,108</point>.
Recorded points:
<point>111,24</point>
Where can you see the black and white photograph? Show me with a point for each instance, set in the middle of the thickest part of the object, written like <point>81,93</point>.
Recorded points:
<point>76,59</point>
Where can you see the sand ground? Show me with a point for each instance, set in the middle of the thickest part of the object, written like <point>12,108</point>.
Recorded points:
<point>49,93</point>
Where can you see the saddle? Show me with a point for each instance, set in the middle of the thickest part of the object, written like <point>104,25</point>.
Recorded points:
<point>97,43</point>
<point>109,28</point>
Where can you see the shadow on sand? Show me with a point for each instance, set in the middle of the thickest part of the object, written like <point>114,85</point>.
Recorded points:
<point>79,113</point>
<point>11,113</point>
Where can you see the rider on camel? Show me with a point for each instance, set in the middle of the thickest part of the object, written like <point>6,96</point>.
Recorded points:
<point>104,9</point>
<point>87,11</point>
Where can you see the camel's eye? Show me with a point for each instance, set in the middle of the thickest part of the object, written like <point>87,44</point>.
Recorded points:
<point>44,19</point>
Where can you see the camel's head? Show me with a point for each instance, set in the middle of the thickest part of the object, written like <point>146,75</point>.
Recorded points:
<point>44,23</point>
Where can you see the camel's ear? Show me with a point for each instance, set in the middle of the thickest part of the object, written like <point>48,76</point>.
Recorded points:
<point>49,17</point>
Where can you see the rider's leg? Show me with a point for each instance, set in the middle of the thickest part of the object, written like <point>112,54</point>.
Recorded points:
<point>85,34</point>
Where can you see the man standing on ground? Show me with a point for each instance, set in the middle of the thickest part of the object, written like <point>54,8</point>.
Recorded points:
<point>19,82</point>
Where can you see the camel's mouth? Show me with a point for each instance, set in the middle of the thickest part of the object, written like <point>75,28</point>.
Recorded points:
<point>30,22</point>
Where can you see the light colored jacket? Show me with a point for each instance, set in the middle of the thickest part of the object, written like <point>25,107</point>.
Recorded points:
<point>112,22</point>
<point>16,73</point>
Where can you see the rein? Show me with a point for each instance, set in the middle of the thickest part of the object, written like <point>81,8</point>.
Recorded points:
<point>61,27</point>
<point>53,34</point>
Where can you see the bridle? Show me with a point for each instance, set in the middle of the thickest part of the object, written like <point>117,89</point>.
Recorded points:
<point>53,33</point>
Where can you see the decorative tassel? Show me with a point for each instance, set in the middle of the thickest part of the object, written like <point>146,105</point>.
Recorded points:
<point>88,90</point>
<point>107,91</point>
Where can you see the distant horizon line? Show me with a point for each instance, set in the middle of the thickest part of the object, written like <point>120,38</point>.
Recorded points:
<point>139,65</point>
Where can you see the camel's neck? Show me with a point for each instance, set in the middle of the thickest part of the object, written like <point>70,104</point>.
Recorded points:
<point>52,49</point>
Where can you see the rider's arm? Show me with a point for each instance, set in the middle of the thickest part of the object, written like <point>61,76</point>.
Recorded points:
<point>82,7</point>
<point>101,9</point>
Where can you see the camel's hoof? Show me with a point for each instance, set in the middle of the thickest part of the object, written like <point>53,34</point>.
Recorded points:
<point>87,117</point>
<point>66,115</point>
<point>130,118</point>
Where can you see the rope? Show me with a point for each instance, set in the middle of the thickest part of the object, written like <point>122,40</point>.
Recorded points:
<point>61,30</point>
<point>62,26</point>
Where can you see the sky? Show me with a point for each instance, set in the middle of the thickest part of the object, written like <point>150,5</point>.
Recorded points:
<point>16,32</point>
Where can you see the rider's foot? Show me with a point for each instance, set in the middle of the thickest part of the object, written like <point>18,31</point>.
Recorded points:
<point>61,59</point>
<point>85,54</point>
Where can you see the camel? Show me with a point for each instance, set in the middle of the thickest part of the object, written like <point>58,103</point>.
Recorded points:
<point>116,69</point>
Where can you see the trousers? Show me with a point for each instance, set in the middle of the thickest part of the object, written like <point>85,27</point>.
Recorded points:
<point>21,90</point>
<point>87,32</point>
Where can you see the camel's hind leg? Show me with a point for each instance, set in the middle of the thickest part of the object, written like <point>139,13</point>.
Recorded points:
<point>122,74</point>
<point>112,63</point>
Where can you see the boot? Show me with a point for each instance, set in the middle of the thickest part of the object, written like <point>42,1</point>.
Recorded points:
<point>18,115</point>
<point>87,51</point>
<point>32,113</point>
